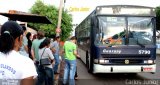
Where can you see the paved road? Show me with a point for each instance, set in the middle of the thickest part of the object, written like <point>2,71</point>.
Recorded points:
<point>86,78</point>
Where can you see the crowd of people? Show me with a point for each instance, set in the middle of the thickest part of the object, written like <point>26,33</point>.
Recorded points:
<point>35,60</point>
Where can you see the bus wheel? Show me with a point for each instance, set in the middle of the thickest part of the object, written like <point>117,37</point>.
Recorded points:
<point>87,60</point>
<point>88,64</point>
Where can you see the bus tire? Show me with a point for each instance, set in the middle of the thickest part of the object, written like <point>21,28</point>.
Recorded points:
<point>88,64</point>
<point>87,60</point>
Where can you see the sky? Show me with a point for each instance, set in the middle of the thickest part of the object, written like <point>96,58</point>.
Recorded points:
<point>74,6</point>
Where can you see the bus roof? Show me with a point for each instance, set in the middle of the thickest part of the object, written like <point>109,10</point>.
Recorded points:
<point>27,18</point>
<point>125,10</point>
<point>137,6</point>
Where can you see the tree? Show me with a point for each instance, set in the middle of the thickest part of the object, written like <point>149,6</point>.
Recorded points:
<point>158,18</point>
<point>52,14</point>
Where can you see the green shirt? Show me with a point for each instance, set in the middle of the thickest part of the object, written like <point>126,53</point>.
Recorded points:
<point>35,46</point>
<point>69,48</point>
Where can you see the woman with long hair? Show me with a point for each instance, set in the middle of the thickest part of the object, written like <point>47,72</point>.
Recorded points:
<point>45,71</point>
<point>29,36</point>
<point>12,64</point>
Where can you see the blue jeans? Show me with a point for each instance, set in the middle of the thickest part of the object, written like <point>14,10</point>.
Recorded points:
<point>69,72</point>
<point>57,61</point>
<point>36,65</point>
<point>46,75</point>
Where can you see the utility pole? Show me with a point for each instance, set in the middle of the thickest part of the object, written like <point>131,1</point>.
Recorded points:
<point>58,29</point>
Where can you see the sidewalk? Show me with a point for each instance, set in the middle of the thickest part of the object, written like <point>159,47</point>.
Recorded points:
<point>59,77</point>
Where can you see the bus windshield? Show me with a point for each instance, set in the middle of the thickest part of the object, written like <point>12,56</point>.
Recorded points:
<point>117,30</point>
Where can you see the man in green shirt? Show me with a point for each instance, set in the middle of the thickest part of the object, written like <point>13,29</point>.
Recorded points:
<point>35,45</point>
<point>70,50</point>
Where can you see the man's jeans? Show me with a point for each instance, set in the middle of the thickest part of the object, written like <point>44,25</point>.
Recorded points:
<point>57,61</point>
<point>45,74</point>
<point>69,72</point>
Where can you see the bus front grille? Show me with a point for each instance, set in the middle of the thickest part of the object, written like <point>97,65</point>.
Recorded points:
<point>115,56</point>
<point>123,61</point>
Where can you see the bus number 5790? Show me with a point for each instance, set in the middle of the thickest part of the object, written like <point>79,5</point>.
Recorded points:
<point>144,52</point>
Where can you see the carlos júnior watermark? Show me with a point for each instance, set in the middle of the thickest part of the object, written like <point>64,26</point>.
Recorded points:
<point>141,82</point>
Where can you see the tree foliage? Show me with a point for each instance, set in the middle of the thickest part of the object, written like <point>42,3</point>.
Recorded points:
<point>52,14</point>
<point>158,18</point>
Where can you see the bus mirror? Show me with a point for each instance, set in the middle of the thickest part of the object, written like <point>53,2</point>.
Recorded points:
<point>101,36</point>
<point>157,23</point>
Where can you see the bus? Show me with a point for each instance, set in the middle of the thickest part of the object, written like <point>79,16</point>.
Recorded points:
<point>118,39</point>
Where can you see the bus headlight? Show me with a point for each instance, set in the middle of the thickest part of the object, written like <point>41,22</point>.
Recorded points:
<point>145,61</point>
<point>103,61</point>
<point>149,61</point>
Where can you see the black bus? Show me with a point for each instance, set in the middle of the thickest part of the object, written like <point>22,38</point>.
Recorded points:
<point>118,39</point>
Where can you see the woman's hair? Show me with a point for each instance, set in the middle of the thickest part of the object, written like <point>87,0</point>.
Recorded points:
<point>10,30</point>
<point>73,38</point>
<point>28,35</point>
<point>34,37</point>
<point>56,38</point>
<point>24,28</point>
<point>46,42</point>
<point>40,34</point>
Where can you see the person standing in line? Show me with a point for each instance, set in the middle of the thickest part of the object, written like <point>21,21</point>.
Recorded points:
<point>35,47</point>
<point>29,36</point>
<point>45,74</point>
<point>34,37</point>
<point>24,49</point>
<point>55,50</point>
<point>11,40</point>
<point>70,50</point>
<point>76,74</point>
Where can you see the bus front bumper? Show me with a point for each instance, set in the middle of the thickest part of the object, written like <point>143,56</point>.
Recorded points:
<point>97,68</point>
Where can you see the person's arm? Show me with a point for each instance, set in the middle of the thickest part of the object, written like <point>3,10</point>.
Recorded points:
<point>28,81</point>
<point>75,51</point>
<point>32,54</point>
<point>52,47</point>
<point>76,54</point>
<point>51,57</point>
<point>26,48</point>
<point>32,51</point>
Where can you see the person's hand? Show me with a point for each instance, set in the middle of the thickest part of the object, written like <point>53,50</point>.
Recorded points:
<point>78,56</point>
<point>53,63</point>
<point>34,60</point>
